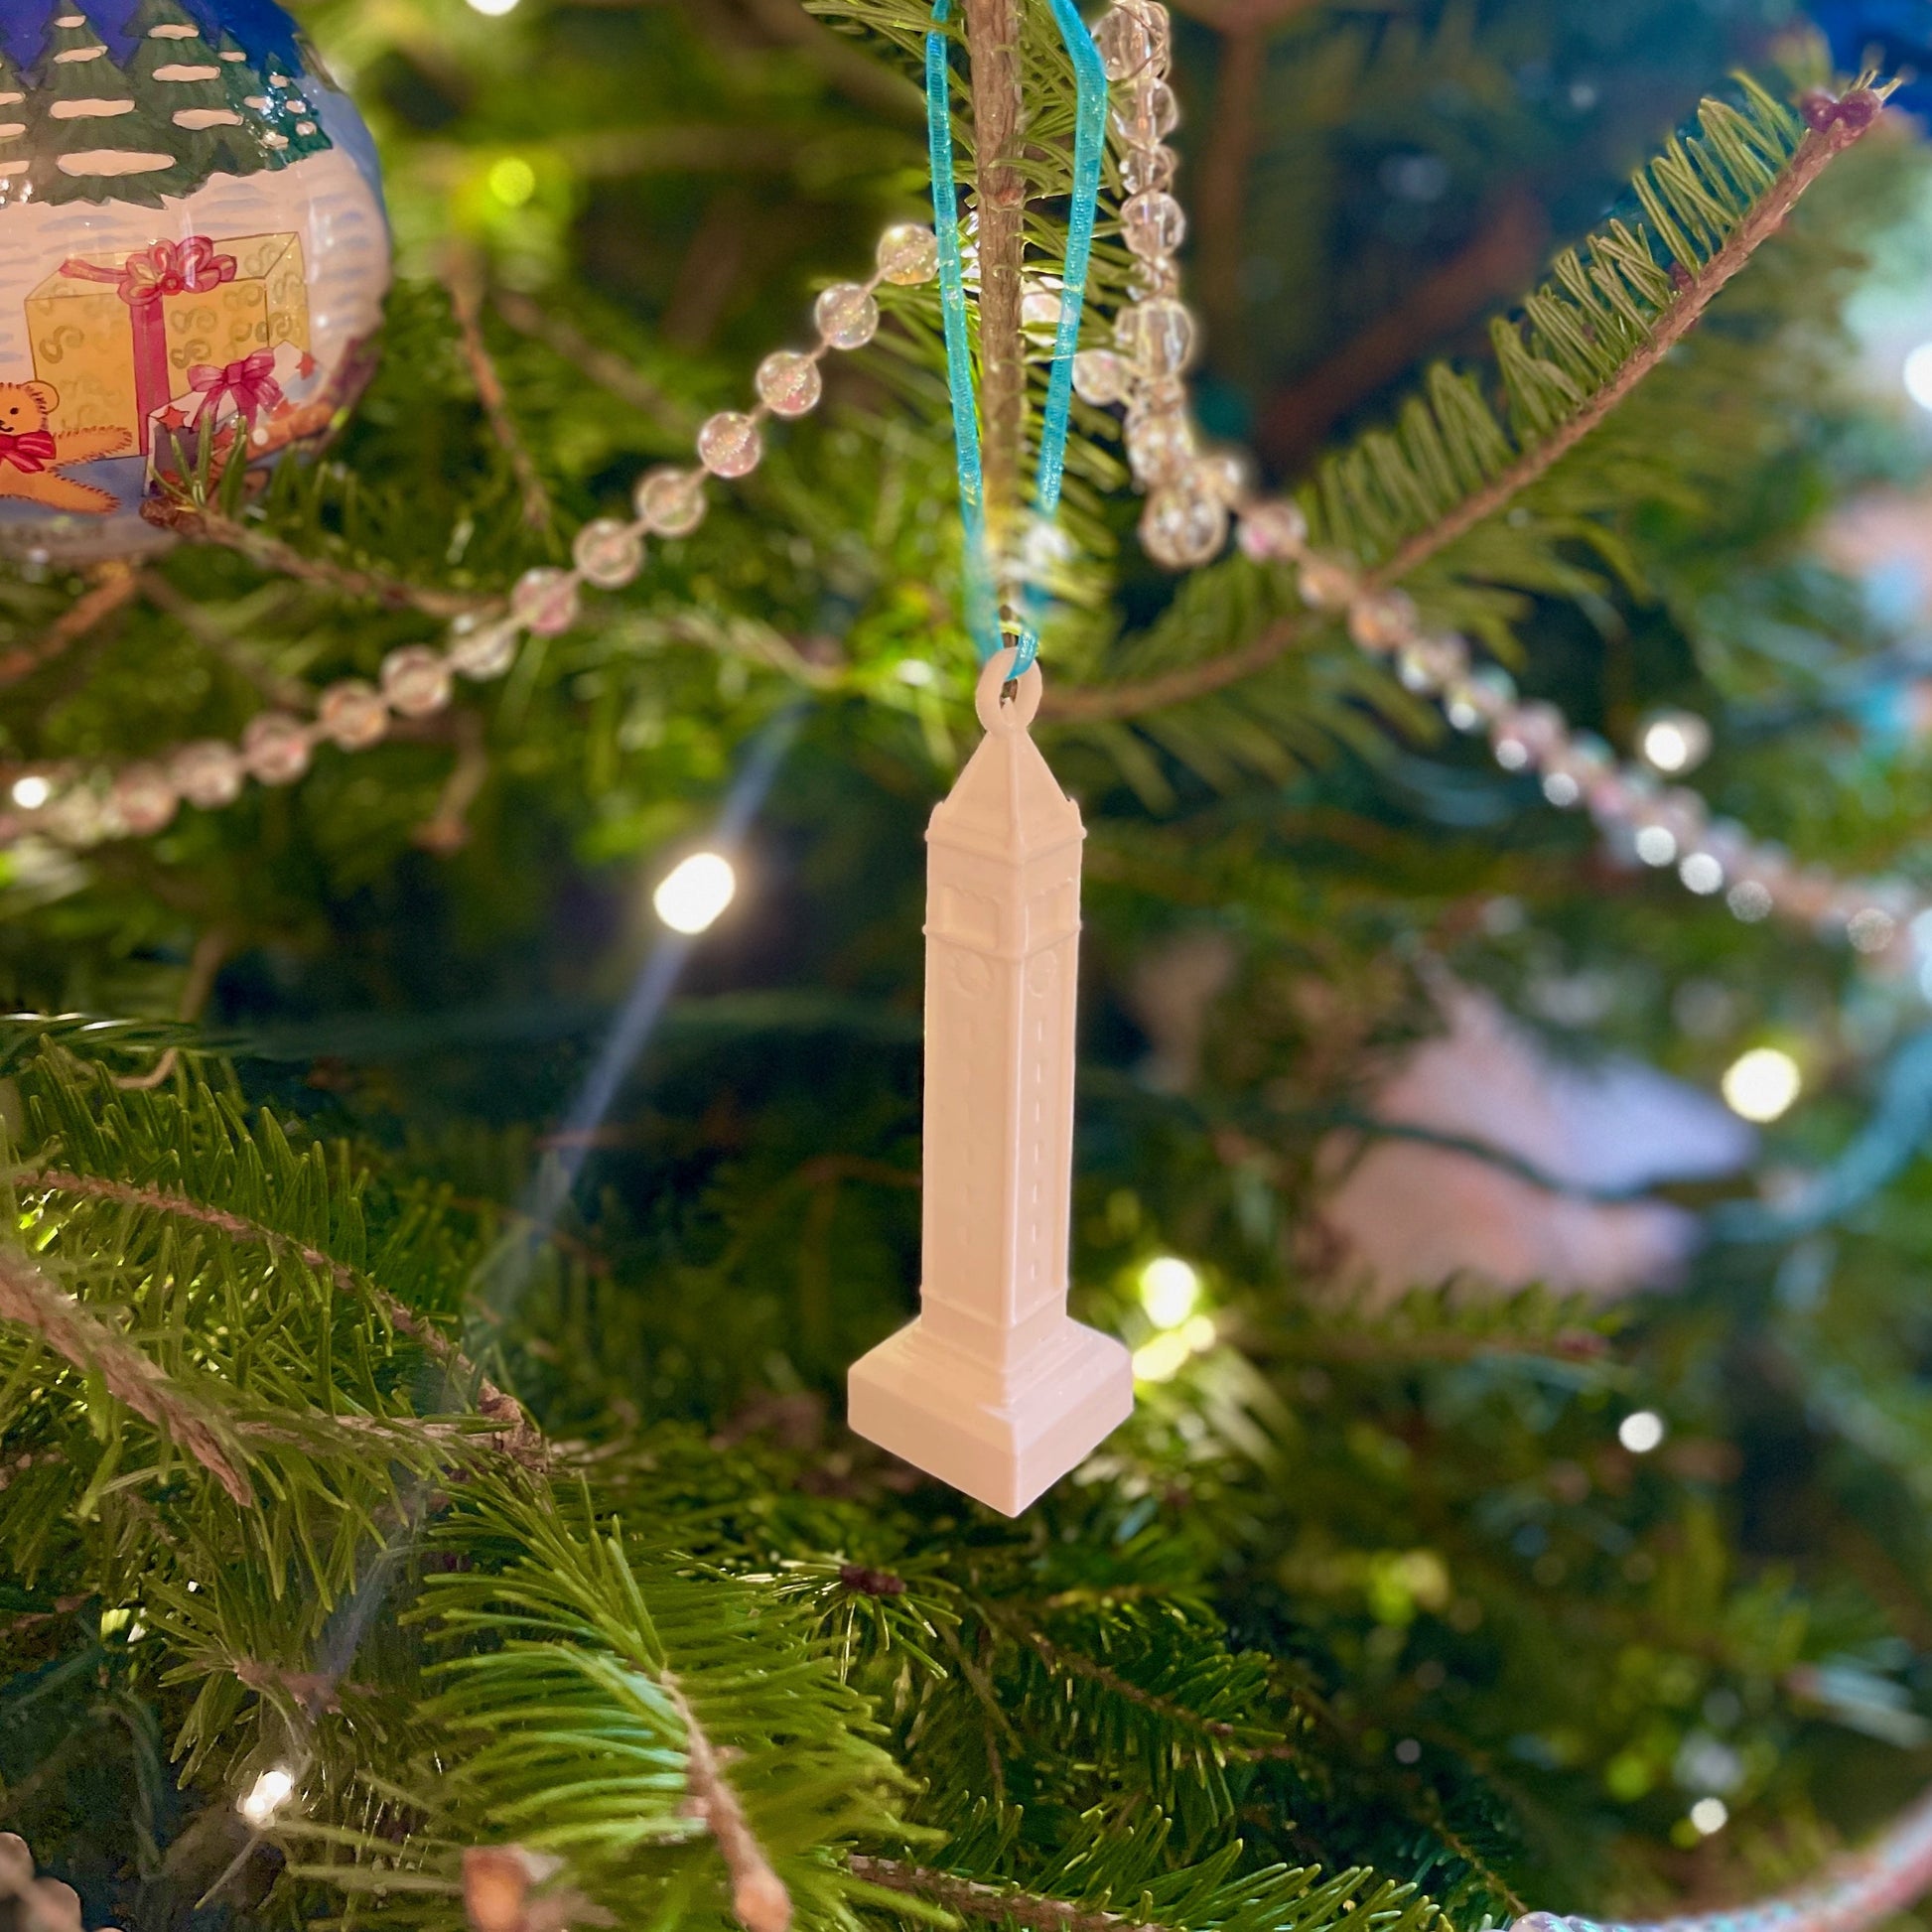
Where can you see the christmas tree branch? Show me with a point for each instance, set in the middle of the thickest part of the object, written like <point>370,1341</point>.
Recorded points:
<point>77,1334</point>
<point>200,524</point>
<point>605,367</point>
<point>463,276</point>
<point>1000,1904</point>
<point>114,584</point>
<point>1858,114</point>
<point>518,1436</point>
<point>759,1896</point>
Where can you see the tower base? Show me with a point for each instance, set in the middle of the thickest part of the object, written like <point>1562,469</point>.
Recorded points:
<point>1001,1440</point>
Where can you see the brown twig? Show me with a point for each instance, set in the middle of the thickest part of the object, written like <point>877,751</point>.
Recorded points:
<point>290,693</point>
<point>1220,205</point>
<point>202,965</point>
<point>604,366</point>
<point>463,276</point>
<point>759,1897</point>
<point>1813,154</point>
<point>1225,1734</point>
<point>1497,261</point>
<point>993,42</point>
<point>76,1332</point>
<point>519,1439</point>
<point>446,831</point>
<point>206,526</point>
<point>971,1899</point>
<point>113,584</point>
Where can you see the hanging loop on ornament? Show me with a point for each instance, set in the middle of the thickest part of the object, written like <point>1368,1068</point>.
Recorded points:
<point>1002,712</point>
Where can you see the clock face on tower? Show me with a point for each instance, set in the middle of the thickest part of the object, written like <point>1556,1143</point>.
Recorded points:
<point>192,257</point>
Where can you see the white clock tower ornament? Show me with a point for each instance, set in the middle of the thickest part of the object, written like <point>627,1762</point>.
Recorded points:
<point>994,1389</point>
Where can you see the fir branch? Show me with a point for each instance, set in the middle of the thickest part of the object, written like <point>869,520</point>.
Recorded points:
<point>201,523</point>
<point>604,366</point>
<point>464,278</point>
<point>999,1904</point>
<point>759,1896</point>
<point>1858,113</point>
<point>113,584</point>
<point>519,1438</point>
<point>77,1334</point>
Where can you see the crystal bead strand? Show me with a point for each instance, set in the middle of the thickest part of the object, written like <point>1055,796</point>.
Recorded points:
<point>1640,819</point>
<point>1188,492</point>
<point>77,809</point>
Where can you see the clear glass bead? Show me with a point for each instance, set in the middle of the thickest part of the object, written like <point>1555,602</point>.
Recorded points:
<point>353,715</point>
<point>1151,278</point>
<point>484,649</point>
<point>670,503</point>
<point>1182,527</point>
<point>1158,442</point>
<point>1156,336</point>
<point>1324,584</point>
<point>1382,621</point>
<point>847,315</point>
<point>416,680</point>
<point>1101,377</point>
<point>1040,311</point>
<point>908,254</point>
<point>1432,663</point>
<point>143,800</point>
<point>1123,42</point>
<point>275,747</point>
<point>788,384</point>
<point>76,816</point>
<point>1153,225</point>
<point>1272,532</point>
<point>545,601</point>
<point>208,774</point>
<point>728,444</point>
<point>1147,171</point>
<point>1226,473</point>
<point>607,553</point>
<point>1146,112</point>
<point>1159,26</point>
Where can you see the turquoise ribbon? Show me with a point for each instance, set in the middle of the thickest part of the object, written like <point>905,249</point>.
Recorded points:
<point>1089,129</point>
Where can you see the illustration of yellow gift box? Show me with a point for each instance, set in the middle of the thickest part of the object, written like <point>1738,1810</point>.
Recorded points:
<point>121,337</point>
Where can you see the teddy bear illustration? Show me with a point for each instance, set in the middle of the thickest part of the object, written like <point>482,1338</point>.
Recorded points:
<point>31,455</point>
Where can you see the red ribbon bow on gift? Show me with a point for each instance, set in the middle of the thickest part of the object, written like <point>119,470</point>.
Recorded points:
<point>162,268</point>
<point>31,450</point>
<point>251,382</point>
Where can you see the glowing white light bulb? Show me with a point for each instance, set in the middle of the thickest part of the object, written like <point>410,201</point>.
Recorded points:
<point>1170,1289</point>
<point>1673,741</point>
<point>1641,1431</point>
<point>1710,1815</point>
<point>31,792</point>
<point>1918,375</point>
<point>266,1796</point>
<point>492,7</point>
<point>694,891</point>
<point>1763,1083</point>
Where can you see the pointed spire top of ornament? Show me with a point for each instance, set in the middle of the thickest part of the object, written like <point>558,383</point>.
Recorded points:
<point>1007,803</point>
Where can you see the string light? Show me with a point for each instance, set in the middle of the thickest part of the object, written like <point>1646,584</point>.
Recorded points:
<point>1640,1431</point>
<point>266,1796</point>
<point>694,891</point>
<point>1672,742</point>
<point>1762,1085</point>
<point>31,792</point>
<point>1169,1290</point>
<point>1918,375</point>
<point>493,8</point>
<point>1710,1815</point>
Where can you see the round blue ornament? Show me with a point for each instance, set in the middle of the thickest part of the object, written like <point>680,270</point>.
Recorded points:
<point>192,257</point>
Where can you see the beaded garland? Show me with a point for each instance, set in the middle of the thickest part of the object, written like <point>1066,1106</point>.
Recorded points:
<point>417,679</point>
<point>1191,496</point>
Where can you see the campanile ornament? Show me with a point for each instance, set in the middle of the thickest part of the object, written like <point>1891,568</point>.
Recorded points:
<point>994,1389</point>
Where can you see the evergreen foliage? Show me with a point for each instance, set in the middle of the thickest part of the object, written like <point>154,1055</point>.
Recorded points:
<point>315,1451</point>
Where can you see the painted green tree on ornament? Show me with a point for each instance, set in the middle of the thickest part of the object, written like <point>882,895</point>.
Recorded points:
<point>92,138</point>
<point>176,71</point>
